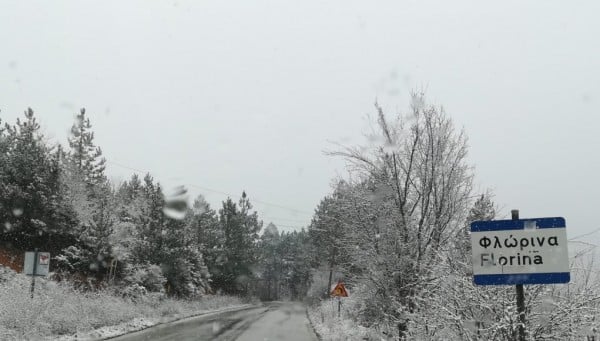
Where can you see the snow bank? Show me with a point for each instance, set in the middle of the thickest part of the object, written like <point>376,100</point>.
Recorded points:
<point>57,311</point>
<point>329,327</point>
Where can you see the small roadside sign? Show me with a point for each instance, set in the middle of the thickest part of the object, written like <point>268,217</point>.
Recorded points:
<point>520,251</point>
<point>41,268</point>
<point>339,290</point>
<point>44,258</point>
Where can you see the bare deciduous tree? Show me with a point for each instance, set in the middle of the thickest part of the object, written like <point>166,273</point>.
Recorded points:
<point>420,185</point>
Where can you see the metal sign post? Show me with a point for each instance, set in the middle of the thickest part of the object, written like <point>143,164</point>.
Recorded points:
<point>339,291</point>
<point>520,295</point>
<point>35,261</point>
<point>36,264</point>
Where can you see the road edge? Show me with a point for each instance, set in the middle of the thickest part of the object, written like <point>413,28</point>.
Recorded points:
<point>181,318</point>
<point>312,325</point>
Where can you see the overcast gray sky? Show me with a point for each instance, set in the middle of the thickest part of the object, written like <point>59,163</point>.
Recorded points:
<point>245,95</point>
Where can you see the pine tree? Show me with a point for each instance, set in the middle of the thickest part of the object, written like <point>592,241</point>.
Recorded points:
<point>240,234</point>
<point>207,238</point>
<point>296,255</point>
<point>204,225</point>
<point>84,155</point>
<point>326,232</point>
<point>93,252</point>
<point>92,199</point>
<point>271,262</point>
<point>90,192</point>
<point>131,200</point>
<point>150,224</point>
<point>126,240</point>
<point>284,264</point>
<point>34,209</point>
<point>138,240</point>
<point>251,226</point>
<point>5,144</point>
<point>164,253</point>
<point>182,263</point>
<point>483,209</point>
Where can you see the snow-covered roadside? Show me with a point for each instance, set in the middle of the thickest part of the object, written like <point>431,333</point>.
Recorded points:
<point>58,312</point>
<point>138,324</point>
<point>329,327</point>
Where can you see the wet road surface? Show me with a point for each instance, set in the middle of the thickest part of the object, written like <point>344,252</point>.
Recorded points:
<point>271,322</point>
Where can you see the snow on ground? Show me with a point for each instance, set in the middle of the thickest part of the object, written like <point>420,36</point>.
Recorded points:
<point>110,331</point>
<point>329,327</point>
<point>136,325</point>
<point>57,311</point>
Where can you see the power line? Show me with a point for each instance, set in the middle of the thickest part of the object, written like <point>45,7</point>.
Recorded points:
<point>291,226</point>
<point>585,234</point>
<point>210,190</point>
<point>284,219</point>
<point>254,199</point>
<point>216,191</point>
<point>126,167</point>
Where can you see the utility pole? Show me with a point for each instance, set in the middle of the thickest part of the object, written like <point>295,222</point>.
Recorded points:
<point>520,295</point>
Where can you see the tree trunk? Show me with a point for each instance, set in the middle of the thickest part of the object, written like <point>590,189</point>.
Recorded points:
<point>331,262</point>
<point>330,278</point>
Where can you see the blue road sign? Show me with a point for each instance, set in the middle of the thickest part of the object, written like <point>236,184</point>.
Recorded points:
<point>524,251</point>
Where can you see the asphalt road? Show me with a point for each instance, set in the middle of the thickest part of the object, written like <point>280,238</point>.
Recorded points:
<point>271,322</point>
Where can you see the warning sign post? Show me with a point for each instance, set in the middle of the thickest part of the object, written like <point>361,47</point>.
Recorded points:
<point>339,291</point>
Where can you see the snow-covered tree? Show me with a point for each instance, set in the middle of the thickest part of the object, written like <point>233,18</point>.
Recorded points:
<point>33,208</point>
<point>158,240</point>
<point>240,229</point>
<point>91,197</point>
<point>271,262</point>
<point>284,264</point>
<point>413,187</point>
<point>84,155</point>
<point>326,231</point>
<point>203,225</point>
<point>296,253</point>
<point>405,213</point>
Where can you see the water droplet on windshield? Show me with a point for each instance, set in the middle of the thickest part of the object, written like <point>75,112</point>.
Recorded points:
<point>176,203</point>
<point>173,213</point>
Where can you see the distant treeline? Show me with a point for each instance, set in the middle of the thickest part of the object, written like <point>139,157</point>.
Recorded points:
<point>129,235</point>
